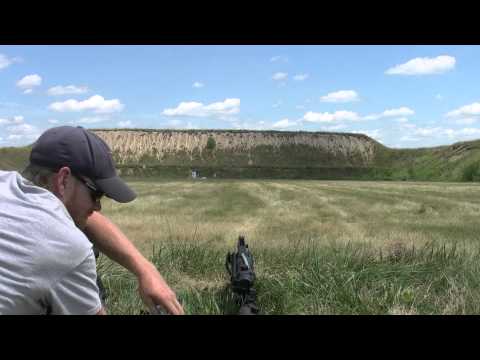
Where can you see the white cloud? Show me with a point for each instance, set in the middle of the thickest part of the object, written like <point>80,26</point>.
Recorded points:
<point>408,138</point>
<point>402,111</point>
<point>18,119</point>
<point>125,124</point>
<point>331,117</point>
<point>6,62</point>
<point>300,77</point>
<point>469,132</point>
<point>69,89</point>
<point>28,82</point>
<point>91,120</point>
<point>96,103</point>
<point>282,124</point>
<point>280,58</point>
<point>439,97</point>
<point>432,131</point>
<point>467,110</point>
<point>249,126</point>
<point>424,66</point>
<point>401,120</point>
<point>408,125</point>
<point>52,121</point>
<point>341,96</point>
<point>196,109</point>
<point>279,76</point>
<point>197,85</point>
<point>333,127</point>
<point>466,121</point>
<point>438,132</point>
<point>175,122</point>
<point>23,132</point>
<point>374,134</point>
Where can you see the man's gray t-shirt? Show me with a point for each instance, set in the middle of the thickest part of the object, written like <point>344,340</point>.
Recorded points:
<point>47,264</point>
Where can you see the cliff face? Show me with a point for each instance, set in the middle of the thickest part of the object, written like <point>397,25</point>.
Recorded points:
<point>240,148</point>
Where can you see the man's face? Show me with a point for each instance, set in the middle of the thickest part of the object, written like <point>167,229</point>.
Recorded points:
<point>82,201</point>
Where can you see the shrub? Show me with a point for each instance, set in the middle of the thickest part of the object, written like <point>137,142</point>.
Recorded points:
<point>471,172</point>
<point>211,144</point>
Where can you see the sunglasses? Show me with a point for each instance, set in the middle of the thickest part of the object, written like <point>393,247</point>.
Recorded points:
<point>94,192</point>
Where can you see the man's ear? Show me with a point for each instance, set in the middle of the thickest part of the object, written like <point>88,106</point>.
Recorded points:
<point>62,182</point>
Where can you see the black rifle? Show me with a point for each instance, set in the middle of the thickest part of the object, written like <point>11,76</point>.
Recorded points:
<point>242,276</point>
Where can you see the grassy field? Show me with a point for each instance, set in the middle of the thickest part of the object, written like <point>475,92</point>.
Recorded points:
<point>320,247</point>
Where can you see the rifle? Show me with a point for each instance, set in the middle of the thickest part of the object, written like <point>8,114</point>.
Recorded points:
<point>240,267</point>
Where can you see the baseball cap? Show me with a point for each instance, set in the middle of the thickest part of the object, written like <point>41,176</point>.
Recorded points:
<point>85,153</point>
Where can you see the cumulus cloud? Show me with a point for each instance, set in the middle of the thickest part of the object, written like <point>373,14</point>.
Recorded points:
<point>179,124</point>
<point>300,77</point>
<point>284,123</point>
<point>424,66</point>
<point>279,58</point>
<point>174,122</point>
<point>408,138</point>
<point>23,131</point>
<point>66,90</point>
<point>197,109</point>
<point>466,121</point>
<point>96,103</point>
<point>467,110</point>
<point>91,120</point>
<point>249,126</point>
<point>453,134</point>
<point>375,134</point>
<point>6,62</point>
<point>27,83</point>
<point>341,115</point>
<point>279,76</point>
<point>125,124</point>
<point>333,127</point>
<point>18,119</point>
<point>197,85</point>
<point>341,96</point>
<point>401,112</point>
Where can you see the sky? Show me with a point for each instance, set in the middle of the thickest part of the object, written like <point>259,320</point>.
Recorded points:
<point>402,96</point>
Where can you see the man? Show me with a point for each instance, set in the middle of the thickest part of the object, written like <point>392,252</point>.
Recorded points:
<point>47,265</point>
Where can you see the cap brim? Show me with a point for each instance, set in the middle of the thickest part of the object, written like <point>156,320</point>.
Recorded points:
<point>116,189</point>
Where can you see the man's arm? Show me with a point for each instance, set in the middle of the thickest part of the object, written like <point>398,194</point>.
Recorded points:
<point>111,241</point>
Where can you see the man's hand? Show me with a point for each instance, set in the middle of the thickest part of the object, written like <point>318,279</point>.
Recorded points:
<point>154,291</point>
<point>111,241</point>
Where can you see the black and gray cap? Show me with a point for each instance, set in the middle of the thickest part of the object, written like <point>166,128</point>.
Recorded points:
<point>85,154</point>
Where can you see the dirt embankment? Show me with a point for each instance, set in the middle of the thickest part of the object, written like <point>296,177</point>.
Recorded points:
<point>133,145</point>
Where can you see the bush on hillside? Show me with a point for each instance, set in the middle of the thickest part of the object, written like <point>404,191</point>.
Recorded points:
<point>471,172</point>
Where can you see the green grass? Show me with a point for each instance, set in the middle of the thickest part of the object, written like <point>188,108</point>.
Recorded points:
<point>320,247</point>
<point>331,279</point>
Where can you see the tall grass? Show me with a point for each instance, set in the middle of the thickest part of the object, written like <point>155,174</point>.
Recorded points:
<point>331,279</point>
<point>319,247</point>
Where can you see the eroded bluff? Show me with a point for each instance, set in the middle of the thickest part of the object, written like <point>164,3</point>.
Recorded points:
<point>239,148</point>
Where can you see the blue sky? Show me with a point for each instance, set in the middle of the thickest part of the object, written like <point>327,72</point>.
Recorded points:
<point>402,96</point>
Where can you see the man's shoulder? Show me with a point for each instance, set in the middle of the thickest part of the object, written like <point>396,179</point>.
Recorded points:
<point>37,222</point>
